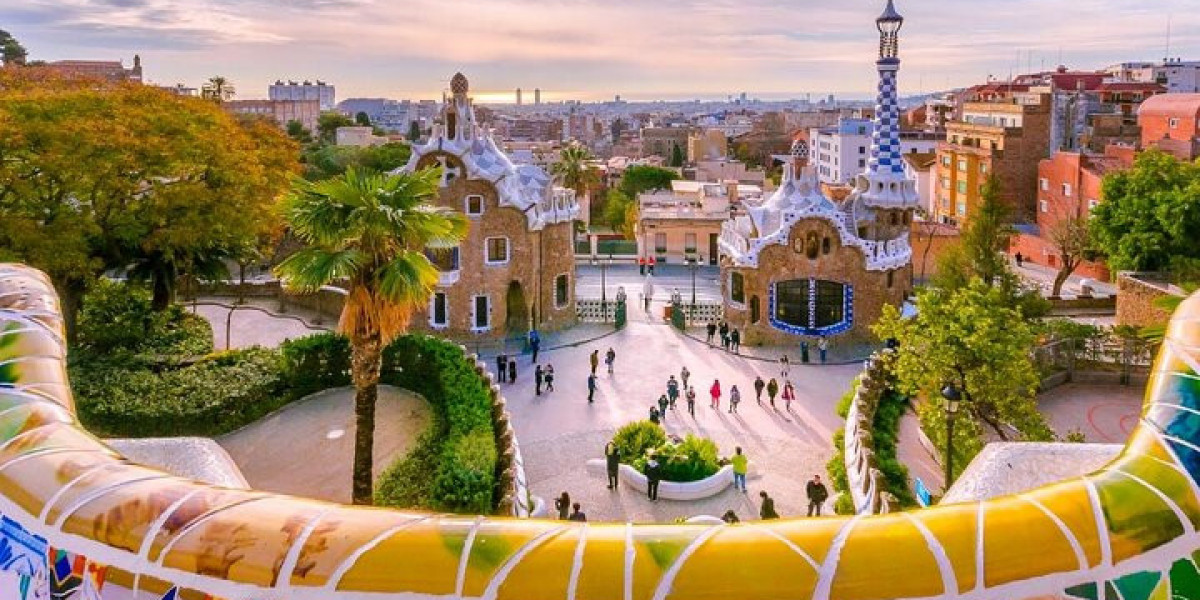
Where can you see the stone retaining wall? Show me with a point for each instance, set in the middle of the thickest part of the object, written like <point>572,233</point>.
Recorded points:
<point>868,488</point>
<point>1136,293</point>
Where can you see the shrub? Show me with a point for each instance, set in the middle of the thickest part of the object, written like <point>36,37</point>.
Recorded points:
<point>691,459</point>
<point>843,405</point>
<point>214,396</point>
<point>634,439</point>
<point>316,362</point>
<point>117,319</point>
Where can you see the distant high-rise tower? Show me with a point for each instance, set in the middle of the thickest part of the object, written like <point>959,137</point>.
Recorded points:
<point>537,95</point>
<point>519,96</point>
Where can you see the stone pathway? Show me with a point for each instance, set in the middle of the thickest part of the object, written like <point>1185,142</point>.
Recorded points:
<point>307,448</point>
<point>1104,413</point>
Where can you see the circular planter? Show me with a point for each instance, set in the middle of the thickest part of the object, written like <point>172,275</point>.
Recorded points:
<point>673,490</point>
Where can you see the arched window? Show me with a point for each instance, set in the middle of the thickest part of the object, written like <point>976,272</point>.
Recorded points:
<point>755,309</point>
<point>737,288</point>
<point>826,245</point>
<point>813,247</point>
<point>891,278</point>
<point>811,307</point>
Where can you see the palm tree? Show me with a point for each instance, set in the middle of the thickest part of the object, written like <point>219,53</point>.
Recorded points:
<point>218,89</point>
<point>369,231</point>
<point>573,171</point>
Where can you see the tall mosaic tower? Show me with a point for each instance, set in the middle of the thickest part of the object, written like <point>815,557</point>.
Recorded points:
<point>885,184</point>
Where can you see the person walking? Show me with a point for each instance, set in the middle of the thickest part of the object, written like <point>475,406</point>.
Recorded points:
<point>655,416</point>
<point>512,369</point>
<point>741,466</point>
<point>723,328</point>
<point>502,367</point>
<point>789,394</point>
<point>767,511</point>
<point>715,392</point>
<point>610,357</point>
<point>684,375</point>
<point>735,396</point>
<point>591,388</point>
<point>823,348</point>
<point>804,352</point>
<point>549,378</point>
<point>772,390</point>
<point>653,475</point>
<point>594,359</point>
<point>785,366</point>
<point>535,344</point>
<point>759,385</point>
<point>538,374</point>
<point>612,463</point>
<point>712,331</point>
<point>663,402</point>
<point>817,494</point>
<point>672,390</point>
<point>1020,260</point>
<point>735,340</point>
<point>577,515</point>
<point>563,505</point>
<point>691,401</point>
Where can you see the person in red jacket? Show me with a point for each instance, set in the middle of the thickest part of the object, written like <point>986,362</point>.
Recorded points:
<point>715,392</point>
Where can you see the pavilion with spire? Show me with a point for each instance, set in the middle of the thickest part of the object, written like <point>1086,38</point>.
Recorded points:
<point>801,265</point>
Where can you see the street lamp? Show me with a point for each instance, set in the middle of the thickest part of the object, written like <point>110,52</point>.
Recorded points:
<point>603,264</point>
<point>953,401</point>
<point>693,262</point>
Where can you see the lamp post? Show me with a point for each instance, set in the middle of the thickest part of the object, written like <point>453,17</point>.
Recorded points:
<point>953,401</point>
<point>693,263</point>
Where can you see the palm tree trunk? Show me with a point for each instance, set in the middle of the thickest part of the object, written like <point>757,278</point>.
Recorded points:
<point>365,363</point>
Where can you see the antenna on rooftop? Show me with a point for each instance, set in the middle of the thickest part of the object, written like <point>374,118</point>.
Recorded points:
<point>1168,54</point>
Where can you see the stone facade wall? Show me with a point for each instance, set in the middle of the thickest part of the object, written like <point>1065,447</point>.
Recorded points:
<point>1135,301</point>
<point>535,259</point>
<point>842,264</point>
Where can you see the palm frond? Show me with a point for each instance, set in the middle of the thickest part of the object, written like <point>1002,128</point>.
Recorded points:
<point>310,268</point>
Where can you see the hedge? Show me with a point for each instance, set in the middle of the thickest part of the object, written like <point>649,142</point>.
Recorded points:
<point>452,468</point>
<point>885,432</point>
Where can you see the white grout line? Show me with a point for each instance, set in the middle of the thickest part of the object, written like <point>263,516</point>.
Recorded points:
<point>668,579</point>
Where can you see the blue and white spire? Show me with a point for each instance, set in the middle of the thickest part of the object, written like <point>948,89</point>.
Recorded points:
<point>883,184</point>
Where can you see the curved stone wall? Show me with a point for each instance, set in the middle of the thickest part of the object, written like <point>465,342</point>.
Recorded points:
<point>79,521</point>
<point>868,487</point>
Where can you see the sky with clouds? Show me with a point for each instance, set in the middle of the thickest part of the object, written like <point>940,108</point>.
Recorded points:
<point>593,49</point>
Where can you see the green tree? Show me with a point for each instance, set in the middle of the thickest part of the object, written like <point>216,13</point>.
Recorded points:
<point>362,119</point>
<point>642,178</point>
<point>325,161</point>
<point>573,170</point>
<point>12,53</point>
<point>1150,214</point>
<point>973,338</point>
<point>621,212</point>
<point>370,232</point>
<point>218,89</point>
<point>298,132</point>
<point>982,253</point>
<point>414,132</point>
<point>328,123</point>
<point>677,158</point>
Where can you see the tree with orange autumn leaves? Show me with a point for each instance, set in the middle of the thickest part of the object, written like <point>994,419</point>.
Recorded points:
<point>97,176</point>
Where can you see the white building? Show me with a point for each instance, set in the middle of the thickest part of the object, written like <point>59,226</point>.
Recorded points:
<point>1179,76</point>
<point>307,90</point>
<point>359,136</point>
<point>839,154</point>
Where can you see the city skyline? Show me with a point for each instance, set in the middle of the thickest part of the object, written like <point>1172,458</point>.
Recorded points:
<point>588,50</point>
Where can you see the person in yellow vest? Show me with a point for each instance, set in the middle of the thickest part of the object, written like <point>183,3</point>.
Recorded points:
<point>740,468</point>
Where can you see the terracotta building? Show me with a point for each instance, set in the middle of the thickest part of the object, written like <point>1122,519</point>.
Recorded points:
<point>1005,138</point>
<point>109,70</point>
<point>305,112</point>
<point>1070,186</point>
<point>1171,122</point>
<point>516,268</point>
<point>802,265</point>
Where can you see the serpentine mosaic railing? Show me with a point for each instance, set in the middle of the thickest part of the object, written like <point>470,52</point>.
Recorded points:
<point>868,486</point>
<point>80,521</point>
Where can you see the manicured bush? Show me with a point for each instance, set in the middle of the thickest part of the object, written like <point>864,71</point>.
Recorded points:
<point>214,396</point>
<point>634,439</point>
<point>316,362</point>
<point>117,319</point>
<point>692,459</point>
